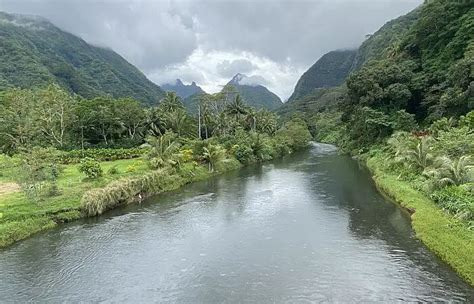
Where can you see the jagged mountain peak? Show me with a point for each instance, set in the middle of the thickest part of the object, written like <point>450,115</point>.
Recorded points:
<point>250,88</point>
<point>237,79</point>
<point>181,89</point>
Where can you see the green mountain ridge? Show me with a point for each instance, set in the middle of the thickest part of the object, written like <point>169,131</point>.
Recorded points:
<point>35,53</point>
<point>329,71</point>
<point>254,94</point>
<point>183,90</point>
<point>321,82</point>
<point>377,45</point>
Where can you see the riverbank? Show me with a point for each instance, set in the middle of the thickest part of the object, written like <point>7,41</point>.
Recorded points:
<point>449,238</point>
<point>20,218</point>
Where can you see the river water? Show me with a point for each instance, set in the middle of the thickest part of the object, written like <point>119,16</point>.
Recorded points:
<point>309,228</point>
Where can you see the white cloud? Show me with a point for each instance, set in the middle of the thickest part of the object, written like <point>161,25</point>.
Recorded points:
<point>203,67</point>
<point>229,68</point>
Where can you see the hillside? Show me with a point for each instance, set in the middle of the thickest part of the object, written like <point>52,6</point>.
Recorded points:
<point>191,103</point>
<point>332,69</point>
<point>384,41</point>
<point>254,94</point>
<point>426,70</point>
<point>181,89</point>
<point>319,100</point>
<point>329,71</point>
<point>34,52</point>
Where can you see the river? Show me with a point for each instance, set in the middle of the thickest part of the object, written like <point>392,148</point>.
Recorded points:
<point>311,227</point>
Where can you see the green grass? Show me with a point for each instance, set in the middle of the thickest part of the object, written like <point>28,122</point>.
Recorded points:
<point>19,217</point>
<point>448,237</point>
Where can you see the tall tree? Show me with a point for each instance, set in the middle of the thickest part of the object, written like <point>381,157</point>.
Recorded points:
<point>54,109</point>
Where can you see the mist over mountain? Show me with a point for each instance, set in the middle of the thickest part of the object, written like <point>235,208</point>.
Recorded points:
<point>35,53</point>
<point>254,93</point>
<point>181,89</point>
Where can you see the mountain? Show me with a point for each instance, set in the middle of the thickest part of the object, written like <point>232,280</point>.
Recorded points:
<point>320,83</point>
<point>34,52</point>
<point>415,70</point>
<point>319,100</point>
<point>426,68</point>
<point>254,94</point>
<point>377,45</point>
<point>183,90</point>
<point>329,71</point>
<point>191,103</point>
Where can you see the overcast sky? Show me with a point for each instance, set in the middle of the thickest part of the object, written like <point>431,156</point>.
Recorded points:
<point>210,41</point>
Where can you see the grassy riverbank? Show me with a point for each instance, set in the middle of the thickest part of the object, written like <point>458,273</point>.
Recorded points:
<point>449,238</point>
<point>20,218</point>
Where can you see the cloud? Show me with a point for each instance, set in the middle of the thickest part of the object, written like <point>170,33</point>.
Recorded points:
<point>254,80</point>
<point>229,68</point>
<point>164,38</point>
<point>202,66</point>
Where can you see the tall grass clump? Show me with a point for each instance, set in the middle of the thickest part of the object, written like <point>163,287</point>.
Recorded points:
<point>129,190</point>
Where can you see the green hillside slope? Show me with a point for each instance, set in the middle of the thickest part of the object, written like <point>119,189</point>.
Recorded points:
<point>34,52</point>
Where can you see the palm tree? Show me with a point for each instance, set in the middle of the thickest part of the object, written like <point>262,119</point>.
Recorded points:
<point>267,122</point>
<point>452,172</point>
<point>212,155</point>
<point>205,115</point>
<point>222,123</point>
<point>417,153</point>
<point>153,121</point>
<point>251,119</point>
<point>176,120</point>
<point>163,147</point>
<point>171,102</point>
<point>237,108</point>
<point>421,155</point>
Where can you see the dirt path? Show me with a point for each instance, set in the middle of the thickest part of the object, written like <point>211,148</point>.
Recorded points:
<point>6,188</point>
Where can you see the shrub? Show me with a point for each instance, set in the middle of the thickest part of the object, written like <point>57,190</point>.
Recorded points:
<point>156,163</point>
<point>52,189</point>
<point>75,156</point>
<point>454,142</point>
<point>38,171</point>
<point>281,148</point>
<point>295,134</point>
<point>244,154</point>
<point>113,170</point>
<point>186,155</point>
<point>91,168</point>
<point>6,164</point>
<point>131,168</point>
<point>456,200</point>
<point>228,164</point>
